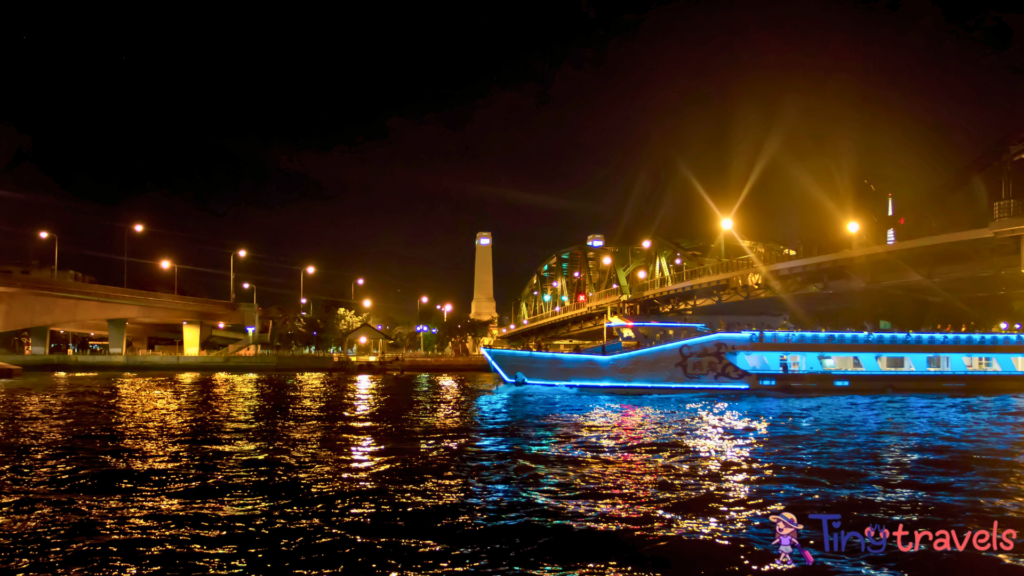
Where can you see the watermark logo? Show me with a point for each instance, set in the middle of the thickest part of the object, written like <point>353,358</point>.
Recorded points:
<point>875,537</point>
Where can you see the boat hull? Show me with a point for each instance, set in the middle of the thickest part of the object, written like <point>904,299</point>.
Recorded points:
<point>754,362</point>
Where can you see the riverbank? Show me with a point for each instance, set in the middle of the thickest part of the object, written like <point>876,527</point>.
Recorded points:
<point>265,363</point>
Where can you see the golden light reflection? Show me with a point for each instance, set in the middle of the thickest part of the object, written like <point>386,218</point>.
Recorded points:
<point>665,472</point>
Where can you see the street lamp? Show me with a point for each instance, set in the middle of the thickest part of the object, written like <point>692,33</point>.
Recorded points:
<point>646,244</point>
<point>367,303</point>
<point>241,254</point>
<point>253,286</point>
<point>137,228</point>
<point>44,234</point>
<point>607,260</point>
<point>302,278</point>
<point>852,227</point>
<point>641,274</point>
<point>166,265</point>
<point>422,300</point>
<point>447,308</point>
<point>726,224</point>
<point>360,282</point>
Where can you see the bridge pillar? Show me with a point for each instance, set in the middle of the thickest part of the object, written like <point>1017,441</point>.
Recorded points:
<point>117,337</point>
<point>40,339</point>
<point>191,332</point>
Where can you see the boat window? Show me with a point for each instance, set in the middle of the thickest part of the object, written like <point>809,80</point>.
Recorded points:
<point>796,362</point>
<point>767,381</point>
<point>937,362</point>
<point>841,382</point>
<point>840,363</point>
<point>895,363</point>
<point>757,362</point>
<point>980,363</point>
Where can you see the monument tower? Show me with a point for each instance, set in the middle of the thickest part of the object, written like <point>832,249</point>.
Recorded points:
<point>483,281</point>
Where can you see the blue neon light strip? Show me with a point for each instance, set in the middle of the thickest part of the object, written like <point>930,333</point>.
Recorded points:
<point>495,365</point>
<point>640,385</point>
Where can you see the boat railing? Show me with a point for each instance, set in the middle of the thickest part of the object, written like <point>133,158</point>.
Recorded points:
<point>939,339</point>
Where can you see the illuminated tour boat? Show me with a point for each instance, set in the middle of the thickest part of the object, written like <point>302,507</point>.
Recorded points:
<point>656,357</point>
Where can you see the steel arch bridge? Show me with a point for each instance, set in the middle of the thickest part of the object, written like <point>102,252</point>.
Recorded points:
<point>584,275</point>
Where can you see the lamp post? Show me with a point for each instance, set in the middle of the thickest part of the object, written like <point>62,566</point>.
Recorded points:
<point>241,254</point>
<point>360,282</point>
<point>422,300</point>
<point>447,308</point>
<point>44,234</point>
<point>853,227</point>
<point>137,228</point>
<point>726,226</point>
<point>256,335</point>
<point>166,264</point>
<point>253,286</point>
<point>302,278</point>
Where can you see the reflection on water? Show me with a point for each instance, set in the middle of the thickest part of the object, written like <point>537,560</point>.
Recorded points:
<point>320,473</point>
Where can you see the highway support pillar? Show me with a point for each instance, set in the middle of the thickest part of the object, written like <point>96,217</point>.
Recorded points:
<point>1022,253</point>
<point>117,337</point>
<point>191,332</point>
<point>40,336</point>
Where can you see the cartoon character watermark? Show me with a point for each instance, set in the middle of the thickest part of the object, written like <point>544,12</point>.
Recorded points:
<point>786,534</point>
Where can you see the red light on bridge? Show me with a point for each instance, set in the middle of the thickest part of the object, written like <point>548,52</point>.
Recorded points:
<point>902,220</point>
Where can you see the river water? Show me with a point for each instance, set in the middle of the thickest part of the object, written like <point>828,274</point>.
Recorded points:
<point>160,473</point>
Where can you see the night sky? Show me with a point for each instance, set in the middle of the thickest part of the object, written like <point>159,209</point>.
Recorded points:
<point>378,141</point>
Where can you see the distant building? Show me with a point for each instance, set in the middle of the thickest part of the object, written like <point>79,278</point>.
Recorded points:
<point>36,272</point>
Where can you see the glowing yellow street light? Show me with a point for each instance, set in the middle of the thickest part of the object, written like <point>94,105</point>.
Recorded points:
<point>166,265</point>
<point>852,227</point>
<point>362,339</point>
<point>367,303</point>
<point>137,228</point>
<point>726,223</point>
<point>607,260</point>
<point>248,285</point>
<point>220,325</point>
<point>354,282</point>
<point>241,254</point>
<point>646,244</point>
<point>642,274</point>
<point>447,308</point>
<point>44,235</point>
<point>423,299</point>
<point>302,278</point>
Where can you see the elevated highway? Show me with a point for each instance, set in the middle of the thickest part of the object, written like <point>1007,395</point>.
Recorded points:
<point>39,306</point>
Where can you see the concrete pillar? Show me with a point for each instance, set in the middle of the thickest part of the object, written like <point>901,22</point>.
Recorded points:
<point>483,281</point>
<point>117,336</point>
<point>1022,253</point>
<point>40,339</point>
<point>190,337</point>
